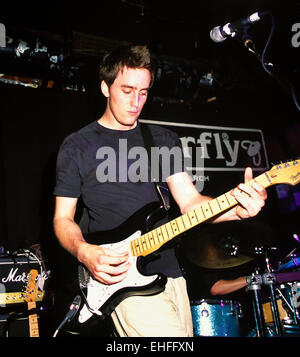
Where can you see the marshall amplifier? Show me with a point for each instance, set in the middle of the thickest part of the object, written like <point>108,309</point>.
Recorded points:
<point>14,271</point>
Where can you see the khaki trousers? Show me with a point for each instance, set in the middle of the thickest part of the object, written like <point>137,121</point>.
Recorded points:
<point>167,314</point>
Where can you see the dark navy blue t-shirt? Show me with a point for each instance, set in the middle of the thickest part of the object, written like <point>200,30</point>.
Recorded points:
<point>105,168</point>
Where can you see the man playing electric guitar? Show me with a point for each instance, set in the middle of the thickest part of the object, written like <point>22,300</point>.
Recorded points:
<point>126,76</point>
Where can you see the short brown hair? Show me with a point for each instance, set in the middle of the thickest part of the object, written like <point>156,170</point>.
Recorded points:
<point>125,56</point>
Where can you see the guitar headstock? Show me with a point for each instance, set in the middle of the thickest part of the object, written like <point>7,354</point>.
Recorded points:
<point>31,293</point>
<point>287,172</point>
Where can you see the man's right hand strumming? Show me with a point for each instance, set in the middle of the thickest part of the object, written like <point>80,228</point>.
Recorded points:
<point>106,265</point>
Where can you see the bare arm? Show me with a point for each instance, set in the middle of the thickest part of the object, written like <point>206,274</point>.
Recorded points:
<point>223,287</point>
<point>104,264</point>
<point>188,198</point>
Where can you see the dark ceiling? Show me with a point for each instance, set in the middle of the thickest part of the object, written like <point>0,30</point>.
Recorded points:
<point>173,23</point>
<point>174,28</point>
<point>169,22</point>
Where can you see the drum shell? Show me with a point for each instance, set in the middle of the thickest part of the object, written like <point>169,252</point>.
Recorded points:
<point>268,314</point>
<point>216,318</point>
<point>287,303</point>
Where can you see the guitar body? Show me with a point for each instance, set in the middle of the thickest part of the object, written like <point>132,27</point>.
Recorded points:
<point>101,299</point>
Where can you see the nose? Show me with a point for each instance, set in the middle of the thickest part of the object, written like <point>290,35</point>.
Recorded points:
<point>134,100</point>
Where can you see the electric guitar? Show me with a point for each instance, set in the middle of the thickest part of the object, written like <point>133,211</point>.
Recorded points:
<point>101,299</point>
<point>31,296</point>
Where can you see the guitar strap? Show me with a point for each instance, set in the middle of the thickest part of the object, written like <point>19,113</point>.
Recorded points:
<point>161,187</point>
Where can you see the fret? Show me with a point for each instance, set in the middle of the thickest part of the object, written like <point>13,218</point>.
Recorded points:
<point>175,227</point>
<point>199,213</point>
<point>193,218</point>
<point>180,224</point>
<point>215,207</point>
<point>144,245</point>
<point>33,321</point>
<point>159,237</point>
<point>31,297</point>
<point>263,179</point>
<point>169,229</point>
<point>223,202</point>
<point>140,245</point>
<point>151,241</point>
<point>165,235</point>
<point>138,249</point>
<point>147,238</point>
<point>231,200</point>
<point>206,210</point>
<point>162,233</point>
<point>144,242</point>
<point>133,248</point>
<point>186,221</point>
<point>154,235</point>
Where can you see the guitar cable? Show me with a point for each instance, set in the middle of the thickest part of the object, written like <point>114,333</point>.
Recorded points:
<point>74,307</point>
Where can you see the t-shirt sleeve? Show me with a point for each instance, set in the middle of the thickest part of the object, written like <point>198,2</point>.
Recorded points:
<point>68,182</point>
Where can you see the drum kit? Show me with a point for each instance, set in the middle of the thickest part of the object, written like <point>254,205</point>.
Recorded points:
<point>276,311</point>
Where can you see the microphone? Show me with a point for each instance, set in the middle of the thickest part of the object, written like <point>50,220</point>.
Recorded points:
<point>74,307</point>
<point>220,33</point>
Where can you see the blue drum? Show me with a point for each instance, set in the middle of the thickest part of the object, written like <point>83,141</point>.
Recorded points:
<point>216,318</point>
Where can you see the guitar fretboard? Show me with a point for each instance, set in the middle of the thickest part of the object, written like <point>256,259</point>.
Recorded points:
<point>33,321</point>
<point>153,240</point>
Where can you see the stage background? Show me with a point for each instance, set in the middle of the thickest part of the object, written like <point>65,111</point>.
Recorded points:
<point>202,86</point>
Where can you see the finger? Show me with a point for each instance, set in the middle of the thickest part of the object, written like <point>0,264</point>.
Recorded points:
<point>249,206</point>
<point>105,259</point>
<point>251,192</point>
<point>260,189</point>
<point>109,279</point>
<point>112,258</point>
<point>113,270</point>
<point>246,209</point>
<point>114,253</point>
<point>248,175</point>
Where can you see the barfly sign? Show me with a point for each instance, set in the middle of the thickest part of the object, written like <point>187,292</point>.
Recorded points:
<point>224,149</point>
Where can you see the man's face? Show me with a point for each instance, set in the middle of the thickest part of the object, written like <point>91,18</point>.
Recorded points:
<point>127,96</point>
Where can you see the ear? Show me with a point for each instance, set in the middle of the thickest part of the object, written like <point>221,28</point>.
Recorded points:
<point>105,89</point>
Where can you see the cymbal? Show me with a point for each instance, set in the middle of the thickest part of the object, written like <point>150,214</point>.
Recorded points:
<point>214,246</point>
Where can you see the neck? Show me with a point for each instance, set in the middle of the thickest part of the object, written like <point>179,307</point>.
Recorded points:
<point>111,123</point>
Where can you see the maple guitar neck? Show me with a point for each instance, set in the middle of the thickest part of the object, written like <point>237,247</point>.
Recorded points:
<point>154,239</point>
<point>30,297</point>
<point>33,321</point>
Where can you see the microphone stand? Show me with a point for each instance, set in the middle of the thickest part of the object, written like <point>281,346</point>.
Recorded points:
<point>269,67</point>
<point>254,284</point>
<point>269,280</point>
